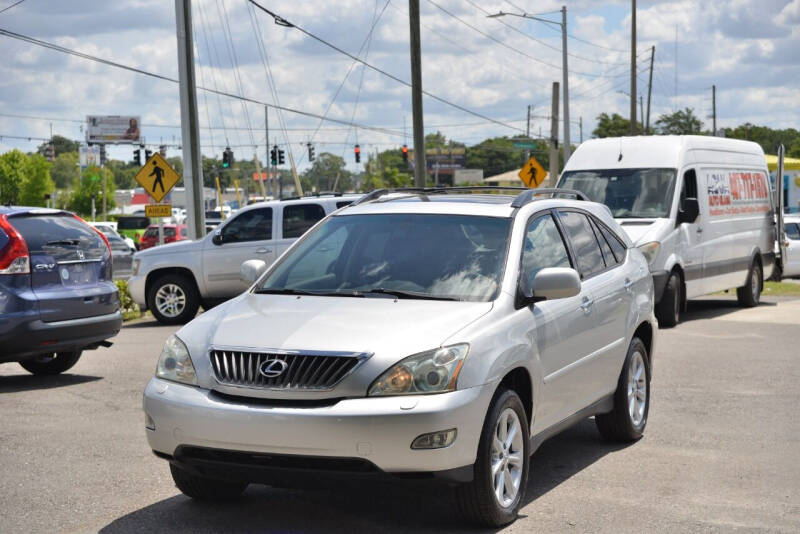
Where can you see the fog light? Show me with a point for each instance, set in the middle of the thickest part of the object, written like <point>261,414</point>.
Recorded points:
<point>435,440</point>
<point>149,424</point>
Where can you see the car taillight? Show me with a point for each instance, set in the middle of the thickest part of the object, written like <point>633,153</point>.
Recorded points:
<point>14,258</point>
<point>101,234</point>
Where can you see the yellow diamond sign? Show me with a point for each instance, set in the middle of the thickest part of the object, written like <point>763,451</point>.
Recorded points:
<point>532,173</point>
<point>157,177</point>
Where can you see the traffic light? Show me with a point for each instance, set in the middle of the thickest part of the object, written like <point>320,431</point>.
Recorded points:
<point>310,152</point>
<point>137,157</point>
<point>227,158</point>
<point>147,154</point>
<point>163,150</point>
<point>404,150</point>
<point>280,157</point>
<point>273,155</point>
<point>50,152</point>
<point>358,154</point>
<point>102,154</point>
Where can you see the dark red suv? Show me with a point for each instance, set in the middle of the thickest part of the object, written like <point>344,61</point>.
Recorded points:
<point>172,233</point>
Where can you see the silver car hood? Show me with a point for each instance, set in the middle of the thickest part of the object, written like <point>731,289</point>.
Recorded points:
<point>171,248</point>
<point>388,329</point>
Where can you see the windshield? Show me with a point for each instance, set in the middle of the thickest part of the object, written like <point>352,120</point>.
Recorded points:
<point>634,193</point>
<point>448,257</point>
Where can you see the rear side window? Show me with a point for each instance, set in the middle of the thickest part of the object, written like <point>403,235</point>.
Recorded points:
<point>251,225</point>
<point>792,231</point>
<point>584,242</point>
<point>151,232</point>
<point>43,233</point>
<point>616,244</point>
<point>169,232</point>
<point>299,218</point>
<point>608,254</point>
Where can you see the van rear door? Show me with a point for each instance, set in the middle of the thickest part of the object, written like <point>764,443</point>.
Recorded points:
<point>779,222</point>
<point>70,266</point>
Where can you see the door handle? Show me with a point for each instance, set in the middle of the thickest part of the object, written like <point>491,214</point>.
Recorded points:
<point>263,250</point>
<point>699,229</point>
<point>628,284</point>
<point>586,306</point>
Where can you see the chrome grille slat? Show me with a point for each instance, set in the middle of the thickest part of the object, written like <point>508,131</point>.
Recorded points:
<point>311,371</point>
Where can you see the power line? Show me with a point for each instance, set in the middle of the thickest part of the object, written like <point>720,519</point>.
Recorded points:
<point>283,22</point>
<point>18,2</point>
<point>235,62</point>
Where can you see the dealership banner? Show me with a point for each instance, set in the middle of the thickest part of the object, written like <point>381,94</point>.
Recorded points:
<point>112,129</point>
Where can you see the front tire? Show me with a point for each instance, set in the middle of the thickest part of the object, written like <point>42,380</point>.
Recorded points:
<point>627,420</point>
<point>749,295</point>
<point>173,299</point>
<point>495,495</point>
<point>668,309</point>
<point>206,489</point>
<point>51,364</point>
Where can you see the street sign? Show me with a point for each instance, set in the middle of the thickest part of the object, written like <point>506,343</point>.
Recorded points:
<point>524,144</point>
<point>532,174</point>
<point>158,210</point>
<point>157,177</point>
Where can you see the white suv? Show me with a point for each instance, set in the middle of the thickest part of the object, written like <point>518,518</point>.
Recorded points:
<point>419,333</point>
<point>174,280</point>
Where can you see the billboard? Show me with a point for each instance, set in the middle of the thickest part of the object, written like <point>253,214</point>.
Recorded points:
<point>112,129</point>
<point>446,160</point>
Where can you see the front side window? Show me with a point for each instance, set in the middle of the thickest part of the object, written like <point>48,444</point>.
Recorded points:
<point>448,257</point>
<point>629,193</point>
<point>297,219</point>
<point>251,225</point>
<point>584,242</point>
<point>543,247</point>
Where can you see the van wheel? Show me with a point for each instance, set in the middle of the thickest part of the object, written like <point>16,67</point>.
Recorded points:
<point>627,420</point>
<point>750,294</point>
<point>173,299</point>
<point>495,495</point>
<point>51,364</point>
<point>205,489</point>
<point>668,309</point>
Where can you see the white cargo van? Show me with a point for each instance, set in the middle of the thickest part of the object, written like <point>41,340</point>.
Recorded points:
<point>698,207</point>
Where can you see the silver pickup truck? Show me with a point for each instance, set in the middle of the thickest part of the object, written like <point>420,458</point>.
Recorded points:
<point>174,280</point>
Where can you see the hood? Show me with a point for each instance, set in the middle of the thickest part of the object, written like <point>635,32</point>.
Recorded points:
<point>171,248</point>
<point>642,231</point>
<point>390,329</point>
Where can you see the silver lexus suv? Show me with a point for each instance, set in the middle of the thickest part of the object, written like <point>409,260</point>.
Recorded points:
<point>434,333</point>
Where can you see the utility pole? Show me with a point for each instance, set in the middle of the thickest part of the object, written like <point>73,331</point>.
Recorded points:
<point>416,94</point>
<point>649,90</point>
<point>580,123</point>
<point>565,77</point>
<point>641,107</point>
<point>528,134</point>
<point>714,109</point>
<point>190,128</point>
<point>633,67</point>
<point>554,138</point>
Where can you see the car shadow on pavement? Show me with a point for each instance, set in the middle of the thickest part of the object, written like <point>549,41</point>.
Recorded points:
<point>27,382</point>
<point>352,506</point>
<point>710,308</point>
<point>145,323</point>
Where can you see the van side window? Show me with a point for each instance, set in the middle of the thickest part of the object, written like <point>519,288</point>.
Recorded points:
<point>689,188</point>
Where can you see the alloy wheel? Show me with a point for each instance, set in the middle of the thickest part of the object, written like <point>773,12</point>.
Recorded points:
<point>170,300</point>
<point>637,389</point>
<point>507,459</point>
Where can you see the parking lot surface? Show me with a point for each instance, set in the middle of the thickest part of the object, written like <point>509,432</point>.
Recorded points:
<point>719,453</point>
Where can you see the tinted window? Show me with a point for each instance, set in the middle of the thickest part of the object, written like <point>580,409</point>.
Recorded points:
<point>608,255</point>
<point>151,232</point>
<point>169,231</point>
<point>251,225</point>
<point>616,244</point>
<point>59,236</point>
<point>441,256</point>
<point>184,232</point>
<point>543,247</point>
<point>343,203</point>
<point>132,223</point>
<point>792,231</point>
<point>299,218</point>
<point>584,243</point>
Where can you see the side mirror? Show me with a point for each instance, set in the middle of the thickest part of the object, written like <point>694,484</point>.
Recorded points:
<point>251,271</point>
<point>217,238</point>
<point>548,284</point>
<point>689,212</point>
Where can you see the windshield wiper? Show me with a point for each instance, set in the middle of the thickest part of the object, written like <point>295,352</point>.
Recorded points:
<point>289,291</point>
<point>404,294</point>
<point>59,242</point>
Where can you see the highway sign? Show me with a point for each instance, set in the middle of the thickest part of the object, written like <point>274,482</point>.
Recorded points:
<point>157,177</point>
<point>524,144</point>
<point>158,210</point>
<point>532,174</point>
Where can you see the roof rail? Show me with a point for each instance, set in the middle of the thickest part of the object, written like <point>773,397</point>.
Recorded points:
<point>530,195</point>
<point>372,195</point>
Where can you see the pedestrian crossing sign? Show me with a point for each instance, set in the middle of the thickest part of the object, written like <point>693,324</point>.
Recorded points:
<point>157,177</point>
<point>532,173</point>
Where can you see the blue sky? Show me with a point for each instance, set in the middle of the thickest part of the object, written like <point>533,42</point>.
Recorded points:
<point>748,48</point>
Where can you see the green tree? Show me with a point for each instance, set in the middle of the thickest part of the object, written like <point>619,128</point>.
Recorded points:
<point>768,138</point>
<point>61,145</point>
<point>498,155</point>
<point>90,186</point>
<point>13,167</point>
<point>123,173</point>
<point>37,182</point>
<point>326,171</point>
<point>614,125</point>
<point>65,170</point>
<point>682,122</point>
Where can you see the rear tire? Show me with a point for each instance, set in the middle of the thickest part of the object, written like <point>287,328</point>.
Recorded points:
<point>51,364</point>
<point>206,489</point>
<point>479,501</point>
<point>173,299</point>
<point>749,295</point>
<point>627,420</point>
<point>668,309</point>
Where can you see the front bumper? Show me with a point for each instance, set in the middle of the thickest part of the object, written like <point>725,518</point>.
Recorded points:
<point>136,287</point>
<point>659,283</point>
<point>376,429</point>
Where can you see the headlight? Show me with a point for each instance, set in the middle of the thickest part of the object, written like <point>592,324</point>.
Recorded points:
<point>650,251</point>
<point>136,263</point>
<point>175,363</point>
<point>434,371</point>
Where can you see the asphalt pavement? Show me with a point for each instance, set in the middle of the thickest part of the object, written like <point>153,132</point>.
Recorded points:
<point>720,453</point>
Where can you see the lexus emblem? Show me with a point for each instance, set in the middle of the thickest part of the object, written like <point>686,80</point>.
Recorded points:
<point>273,368</point>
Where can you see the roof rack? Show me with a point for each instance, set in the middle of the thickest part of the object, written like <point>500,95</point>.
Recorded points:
<point>524,194</point>
<point>315,195</point>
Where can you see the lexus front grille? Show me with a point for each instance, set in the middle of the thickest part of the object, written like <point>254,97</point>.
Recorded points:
<point>307,370</point>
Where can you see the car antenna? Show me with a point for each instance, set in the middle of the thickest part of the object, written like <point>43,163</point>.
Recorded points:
<point>620,150</point>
